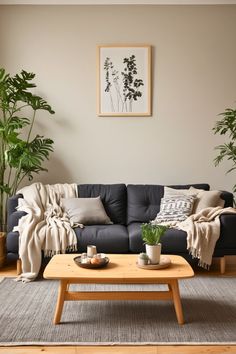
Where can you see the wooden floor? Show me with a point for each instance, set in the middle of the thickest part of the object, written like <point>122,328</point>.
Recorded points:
<point>121,350</point>
<point>10,271</point>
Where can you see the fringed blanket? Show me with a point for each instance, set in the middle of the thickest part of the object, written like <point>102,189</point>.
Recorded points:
<point>45,227</point>
<point>203,231</point>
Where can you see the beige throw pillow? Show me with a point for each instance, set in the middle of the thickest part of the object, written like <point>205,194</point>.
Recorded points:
<point>207,199</point>
<point>86,211</point>
<point>169,192</point>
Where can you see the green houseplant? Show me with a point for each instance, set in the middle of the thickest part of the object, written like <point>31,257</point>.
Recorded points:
<point>21,152</point>
<point>151,235</point>
<point>227,126</point>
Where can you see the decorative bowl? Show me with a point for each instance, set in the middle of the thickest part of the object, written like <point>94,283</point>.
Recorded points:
<point>103,263</point>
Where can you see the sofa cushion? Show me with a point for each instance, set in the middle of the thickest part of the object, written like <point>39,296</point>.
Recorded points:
<point>144,200</point>
<point>86,211</point>
<point>169,192</point>
<point>113,197</point>
<point>207,199</point>
<point>107,238</point>
<point>175,208</point>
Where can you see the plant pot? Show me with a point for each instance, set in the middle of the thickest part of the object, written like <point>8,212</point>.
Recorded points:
<point>2,249</point>
<point>142,261</point>
<point>154,253</point>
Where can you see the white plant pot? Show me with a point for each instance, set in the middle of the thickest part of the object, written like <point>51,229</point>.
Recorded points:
<point>154,253</point>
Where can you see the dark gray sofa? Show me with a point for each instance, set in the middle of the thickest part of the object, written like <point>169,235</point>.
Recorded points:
<point>128,207</point>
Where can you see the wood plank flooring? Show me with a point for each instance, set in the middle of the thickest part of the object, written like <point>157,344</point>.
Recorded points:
<point>10,271</point>
<point>121,350</point>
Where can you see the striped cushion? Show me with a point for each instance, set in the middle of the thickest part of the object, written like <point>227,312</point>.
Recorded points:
<point>175,208</point>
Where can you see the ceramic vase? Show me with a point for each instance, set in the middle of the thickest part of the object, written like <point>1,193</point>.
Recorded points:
<point>154,253</point>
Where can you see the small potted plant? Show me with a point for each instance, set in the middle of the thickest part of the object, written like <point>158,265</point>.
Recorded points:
<point>143,259</point>
<point>151,235</point>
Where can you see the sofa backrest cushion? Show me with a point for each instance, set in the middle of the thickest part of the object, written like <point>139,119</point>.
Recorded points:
<point>113,197</point>
<point>144,200</point>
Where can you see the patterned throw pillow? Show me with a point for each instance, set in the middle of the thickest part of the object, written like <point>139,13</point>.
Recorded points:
<point>175,208</point>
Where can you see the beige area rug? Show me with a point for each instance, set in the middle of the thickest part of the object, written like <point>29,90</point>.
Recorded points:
<point>209,305</point>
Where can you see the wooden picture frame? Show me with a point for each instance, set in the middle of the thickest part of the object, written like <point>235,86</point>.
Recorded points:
<point>124,80</point>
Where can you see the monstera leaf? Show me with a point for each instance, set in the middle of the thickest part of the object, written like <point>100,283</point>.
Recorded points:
<point>227,126</point>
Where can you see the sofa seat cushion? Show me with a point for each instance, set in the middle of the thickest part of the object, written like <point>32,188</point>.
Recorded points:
<point>173,241</point>
<point>107,238</point>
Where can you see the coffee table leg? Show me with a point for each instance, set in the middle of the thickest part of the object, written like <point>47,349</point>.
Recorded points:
<point>177,302</point>
<point>60,301</point>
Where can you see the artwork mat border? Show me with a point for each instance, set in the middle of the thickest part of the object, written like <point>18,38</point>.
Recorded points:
<point>149,101</point>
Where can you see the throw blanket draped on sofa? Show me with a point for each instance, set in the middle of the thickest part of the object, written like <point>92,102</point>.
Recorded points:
<point>45,226</point>
<point>203,231</point>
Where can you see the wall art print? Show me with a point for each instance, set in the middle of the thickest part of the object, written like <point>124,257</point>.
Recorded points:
<point>124,80</point>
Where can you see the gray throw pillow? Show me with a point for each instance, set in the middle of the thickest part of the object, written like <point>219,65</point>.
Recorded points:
<point>175,208</point>
<point>86,211</point>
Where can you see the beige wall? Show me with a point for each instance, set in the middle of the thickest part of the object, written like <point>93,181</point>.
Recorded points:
<point>194,79</point>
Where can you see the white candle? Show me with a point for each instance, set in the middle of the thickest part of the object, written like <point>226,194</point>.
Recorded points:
<point>91,250</point>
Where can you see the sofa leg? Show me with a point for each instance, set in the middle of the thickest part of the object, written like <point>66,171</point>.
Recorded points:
<point>18,267</point>
<point>222,264</point>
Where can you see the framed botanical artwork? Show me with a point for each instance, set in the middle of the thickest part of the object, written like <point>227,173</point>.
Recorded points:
<point>124,80</point>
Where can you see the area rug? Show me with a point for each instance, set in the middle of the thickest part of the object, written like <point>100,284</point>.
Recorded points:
<point>209,305</point>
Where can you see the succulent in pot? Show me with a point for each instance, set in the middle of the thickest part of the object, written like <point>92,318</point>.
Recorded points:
<point>143,259</point>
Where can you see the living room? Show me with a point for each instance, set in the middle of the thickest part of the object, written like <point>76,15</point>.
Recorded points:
<point>192,81</point>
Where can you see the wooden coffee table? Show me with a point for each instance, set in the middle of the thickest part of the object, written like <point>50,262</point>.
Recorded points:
<point>122,269</point>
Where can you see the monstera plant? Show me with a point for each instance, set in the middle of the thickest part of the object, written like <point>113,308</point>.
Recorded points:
<point>227,126</point>
<point>22,153</point>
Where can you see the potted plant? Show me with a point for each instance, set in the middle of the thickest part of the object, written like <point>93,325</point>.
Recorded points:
<point>21,152</point>
<point>227,126</point>
<point>151,235</point>
<point>143,259</point>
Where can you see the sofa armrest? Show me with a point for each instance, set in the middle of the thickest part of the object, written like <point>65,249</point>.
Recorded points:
<point>228,198</point>
<point>12,203</point>
<point>13,215</point>
<point>227,238</point>
<point>13,219</point>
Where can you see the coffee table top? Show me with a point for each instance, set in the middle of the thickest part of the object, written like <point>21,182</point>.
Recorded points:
<point>121,269</point>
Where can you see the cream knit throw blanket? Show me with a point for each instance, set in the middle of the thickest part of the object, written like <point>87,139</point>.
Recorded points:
<point>203,231</point>
<point>45,227</point>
